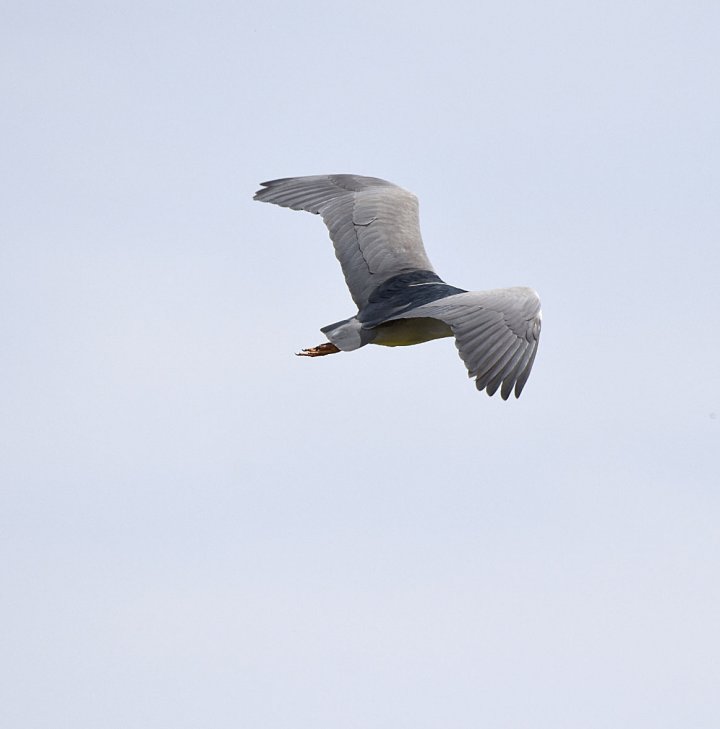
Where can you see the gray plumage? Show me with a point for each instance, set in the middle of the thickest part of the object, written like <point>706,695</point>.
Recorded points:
<point>374,227</point>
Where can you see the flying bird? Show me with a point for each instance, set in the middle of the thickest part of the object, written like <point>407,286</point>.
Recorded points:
<point>375,229</point>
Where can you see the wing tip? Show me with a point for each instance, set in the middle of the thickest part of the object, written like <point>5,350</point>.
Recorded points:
<point>513,383</point>
<point>267,186</point>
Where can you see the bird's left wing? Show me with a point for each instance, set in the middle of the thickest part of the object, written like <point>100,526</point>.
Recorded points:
<point>373,225</point>
<point>496,333</point>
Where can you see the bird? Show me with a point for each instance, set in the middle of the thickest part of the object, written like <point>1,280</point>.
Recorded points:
<point>374,226</point>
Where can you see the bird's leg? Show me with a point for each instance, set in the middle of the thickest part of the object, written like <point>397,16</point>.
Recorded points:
<point>320,351</point>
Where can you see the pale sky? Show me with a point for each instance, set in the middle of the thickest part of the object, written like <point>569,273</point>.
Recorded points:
<point>199,529</point>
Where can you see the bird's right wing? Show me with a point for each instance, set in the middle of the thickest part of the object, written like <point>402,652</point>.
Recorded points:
<point>374,225</point>
<point>496,333</point>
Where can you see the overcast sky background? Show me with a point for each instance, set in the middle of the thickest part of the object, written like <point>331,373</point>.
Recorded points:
<point>199,529</point>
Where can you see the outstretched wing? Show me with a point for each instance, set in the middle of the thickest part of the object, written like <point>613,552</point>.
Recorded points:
<point>496,332</point>
<point>373,224</point>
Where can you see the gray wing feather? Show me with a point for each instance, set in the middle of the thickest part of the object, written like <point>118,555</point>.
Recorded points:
<point>374,225</point>
<point>496,333</point>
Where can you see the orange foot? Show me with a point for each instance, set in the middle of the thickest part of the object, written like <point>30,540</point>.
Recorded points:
<point>320,351</point>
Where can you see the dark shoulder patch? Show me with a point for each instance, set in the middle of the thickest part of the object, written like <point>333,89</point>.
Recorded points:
<point>402,293</point>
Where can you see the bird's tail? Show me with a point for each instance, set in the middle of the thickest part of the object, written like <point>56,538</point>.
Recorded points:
<point>348,334</point>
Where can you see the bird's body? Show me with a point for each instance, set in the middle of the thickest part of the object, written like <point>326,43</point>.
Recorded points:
<point>374,226</point>
<point>405,332</point>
